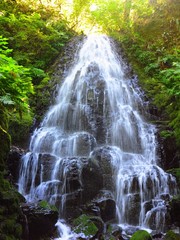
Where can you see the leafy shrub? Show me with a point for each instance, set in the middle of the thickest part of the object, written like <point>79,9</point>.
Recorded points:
<point>15,80</point>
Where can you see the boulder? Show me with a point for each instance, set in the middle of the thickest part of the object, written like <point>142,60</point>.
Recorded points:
<point>72,205</point>
<point>40,220</point>
<point>92,180</point>
<point>141,235</point>
<point>97,173</point>
<point>107,206</point>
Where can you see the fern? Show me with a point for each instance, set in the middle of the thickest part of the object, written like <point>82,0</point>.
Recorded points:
<point>6,100</point>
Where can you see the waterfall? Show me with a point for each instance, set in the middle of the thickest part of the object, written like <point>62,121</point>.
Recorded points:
<point>98,106</point>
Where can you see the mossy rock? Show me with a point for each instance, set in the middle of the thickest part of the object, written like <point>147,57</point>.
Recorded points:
<point>10,227</point>
<point>84,224</point>
<point>19,129</point>
<point>4,137</point>
<point>170,235</point>
<point>141,235</point>
<point>176,172</point>
<point>45,205</point>
<point>5,142</point>
<point>10,212</point>
<point>3,117</point>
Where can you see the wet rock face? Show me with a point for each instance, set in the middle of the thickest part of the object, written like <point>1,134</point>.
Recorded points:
<point>60,69</point>
<point>101,159</point>
<point>13,162</point>
<point>85,181</point>
<point>107,206</point>
<point>89,115</point>
<point>40,222</point>
<point>47,162</point>
<point>168,151</point>
<point>92,181</point>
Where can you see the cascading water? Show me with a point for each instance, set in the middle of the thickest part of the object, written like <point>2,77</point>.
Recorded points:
<point>98,107</point>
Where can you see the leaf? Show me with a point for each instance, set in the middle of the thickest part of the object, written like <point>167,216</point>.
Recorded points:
<point>6,100</point>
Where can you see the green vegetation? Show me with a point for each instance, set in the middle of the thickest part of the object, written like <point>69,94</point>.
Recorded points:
<point>141,235</point>
<point>172,236</point>
<point>20,128</point>
<point>33,35</point>
<point>149,33</point>
<point>84,224</point>
<point>45,205</point>
<point>10,227</point>
<point>10,213</point>
<point>15,80</point>
<point>34,32</point>
<point>176,173</point>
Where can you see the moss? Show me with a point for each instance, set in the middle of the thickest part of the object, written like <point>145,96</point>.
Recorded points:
<point>141,235</point>
<point>19,128</point>
<point>10,212</point>
<point>5,142</point>
<point>176,173</point>
<point>45,205</point>
<point>18,230</point>
<point>4,137</point>
<point>83,224</point>
<point>8,225</point>
<point>3,117</point>
<point>170,235</point>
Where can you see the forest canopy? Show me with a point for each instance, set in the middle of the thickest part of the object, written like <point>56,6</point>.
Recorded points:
<point>33,33</point>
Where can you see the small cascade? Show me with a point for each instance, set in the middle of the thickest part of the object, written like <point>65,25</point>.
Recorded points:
<point>98,109</point>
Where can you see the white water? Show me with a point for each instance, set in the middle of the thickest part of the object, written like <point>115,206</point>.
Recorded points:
<point>97,105</point>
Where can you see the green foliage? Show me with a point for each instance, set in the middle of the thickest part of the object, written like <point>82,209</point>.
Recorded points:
<point>166,133</point>
<point>152,48</point>
<point>45,205</point>
<point>6,100</point>
<point>15,80</point>
<point>141,235</point>
<point>10,212</point>
<point>176,173</point>
<point>19,128</point>
<point>83,224</point>
<point>3,117</point>
<point>37,32</point>
<point>34,35</point>
<point>170,78</point>
<point>5,142</point>
<point>170,235</point>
